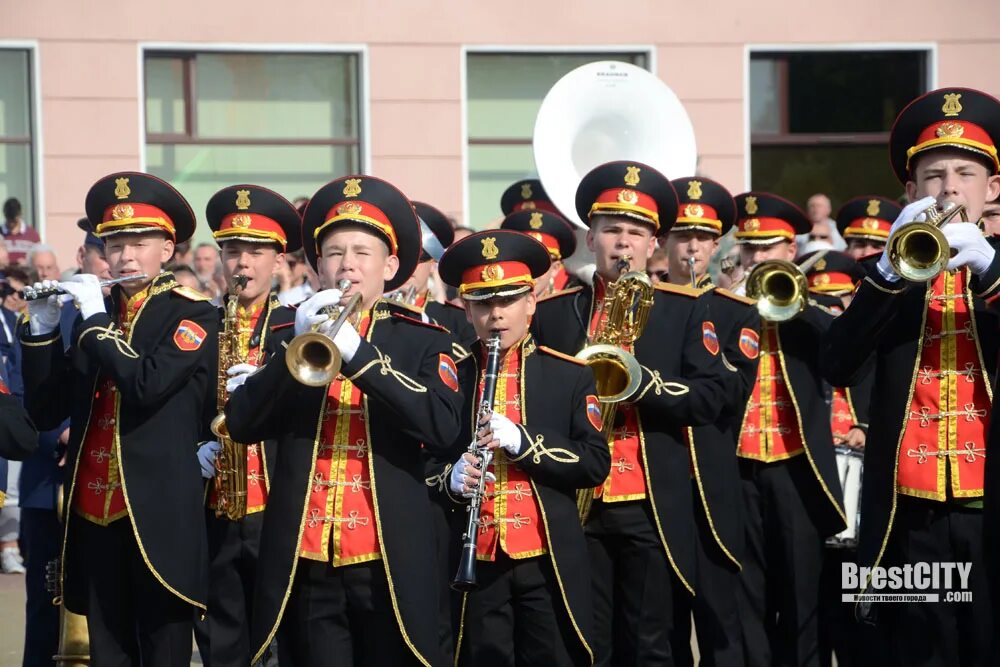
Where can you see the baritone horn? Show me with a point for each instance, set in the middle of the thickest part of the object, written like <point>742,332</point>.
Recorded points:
<point>919,251</point>
<point>311,357</point>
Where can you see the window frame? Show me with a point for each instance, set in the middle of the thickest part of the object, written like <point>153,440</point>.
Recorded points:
<point>189,50</point>
<point>34,139</point>
<point>647,50</point>
<point>930,50</point>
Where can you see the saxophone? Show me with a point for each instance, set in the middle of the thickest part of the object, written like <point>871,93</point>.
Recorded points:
<point>617,373</point>
<point>231,461</point>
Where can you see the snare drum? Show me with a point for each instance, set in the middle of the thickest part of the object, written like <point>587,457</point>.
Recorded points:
<point>850,467</point>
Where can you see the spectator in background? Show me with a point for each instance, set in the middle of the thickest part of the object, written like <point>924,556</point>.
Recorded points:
<point>19,236</point>
<point>186,276</point>
<point>16,279</point>
<point>656,267</point>
<point>295,279</point>
<point>10,557</point>
<point>208,267</point>
<point>824,228</point>
<point>42,260</point>
<point>90,256</point>
<point>4,255</point>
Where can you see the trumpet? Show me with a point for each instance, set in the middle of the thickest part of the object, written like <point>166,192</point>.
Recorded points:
<point>311,357</point>
<point>31,294</point>
<point>919,251</point>
<point>780,287</point>
<point>407,297</point>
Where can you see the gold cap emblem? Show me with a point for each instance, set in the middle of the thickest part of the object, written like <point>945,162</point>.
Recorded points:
<point>951,107</point>
<point>694,189</point>
<point>242,199</point>
<point>352,187</point>
<point>492,272</point>
<point>490,250</point>
<point>122,190</point>
<point>241,221</point>
<point>526,191</point>
<point>751,225</point>
<point>822,279</point>
<point>873,207</point>
<point>950,129</point>
<point>536,221</point>
<point>631,176</point>
<point>750,206</point>
<point>122,211</point>
<point>694,211</point>
<point>869,224</point>
<point>629,197</point>
<point>820,265</point>
<point>349,208</point>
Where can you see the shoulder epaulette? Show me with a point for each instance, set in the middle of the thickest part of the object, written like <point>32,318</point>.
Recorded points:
<point>413,320</point>
<point>561,355</point>
<point>735,297</point>
<point>679,289</point>
<point>555,295</point>
<point>189,294</point>
<point>449,304</point>
<point>407,307</point>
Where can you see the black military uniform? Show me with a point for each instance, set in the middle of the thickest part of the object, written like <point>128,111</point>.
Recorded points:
<point>345,554</point>
<point>792,497</point>
<point>137,386</point>
<point>533,601</point>
<point>252,214</point>
<point>641,530</point>
<point>706,206</point>
<point>934,349</point>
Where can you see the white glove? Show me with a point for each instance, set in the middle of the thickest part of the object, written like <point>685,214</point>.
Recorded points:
<point>206,457</point>
<point>309,312</point>
<point>507,433</point>
<point>346,339</point>
<point>44,313</point>
<point>238,374</point>
<point>86,291</point>
<point>911,213</point>
<point>972,248</point>
<point>459,481</point>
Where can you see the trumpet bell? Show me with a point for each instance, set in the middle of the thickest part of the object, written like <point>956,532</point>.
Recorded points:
<point>617,373</point>
<point>919,252</point>
<point>313,359</point>
<point>779,288</point>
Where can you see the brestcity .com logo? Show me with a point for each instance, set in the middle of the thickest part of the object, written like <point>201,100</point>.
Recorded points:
<point>913,582</point>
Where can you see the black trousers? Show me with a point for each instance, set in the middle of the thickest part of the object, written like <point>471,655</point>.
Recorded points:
<point>132,619</point>
<point>446,536</point>
<point>633,584</point>
<point>341,616</point>
<point>715,606</point>
<point>855,644</point>
<point>779,598</point>
<point>233,546</point>
<point>955,634</point>
<point>41,541</point>
<point>517,617</point>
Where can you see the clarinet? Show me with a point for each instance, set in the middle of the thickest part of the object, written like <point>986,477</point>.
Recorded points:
<point>465,578</point>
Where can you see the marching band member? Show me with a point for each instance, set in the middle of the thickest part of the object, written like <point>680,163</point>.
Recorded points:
<point>345,554</point>
<point>532,606</point>
<point>934,348</point>
<point>529,195</point>
<point>864,222</point>
<point>641,528</point>
<point>136,384</point>
<point>706,213</point>
<point>552,231</point>
<point>791,493</point>
<point>254,227</point>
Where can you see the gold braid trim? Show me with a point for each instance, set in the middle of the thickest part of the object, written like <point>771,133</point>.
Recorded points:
<point>110,332</point>
<point>661,386</point>
<point>44,343</point>
<point>385,368</point>
<point>438,481</point>
<point>868,279</point>
<point>537,449</point>
<point>459,352</point>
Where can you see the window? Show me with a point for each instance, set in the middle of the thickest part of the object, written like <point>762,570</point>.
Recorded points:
<point>820,120</point>
<point>290,122</point>
<point>504,93</point>
<point>16,131</point>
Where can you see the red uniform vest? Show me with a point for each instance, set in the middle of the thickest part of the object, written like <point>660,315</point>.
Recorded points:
<point>770,424</point>
<point>509,517</point>
<point>841,415</point>
<point>627,479</point>
<point>98,496</point>
<point>341,508</point>
<point>246,322</point>
<point>942,451</point>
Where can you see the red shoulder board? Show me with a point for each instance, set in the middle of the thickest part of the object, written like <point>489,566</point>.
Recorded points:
<point>556,295</point>
<point>709,337</point>
<point>565,357</point>
<point>413,320</point>
<point>189,336</point>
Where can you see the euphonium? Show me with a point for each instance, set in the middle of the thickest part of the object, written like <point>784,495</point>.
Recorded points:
<point>780,288</point>
<point>919,251</point>
<point>312,358</point>
<point>231,462</point>
<point>617,373</point>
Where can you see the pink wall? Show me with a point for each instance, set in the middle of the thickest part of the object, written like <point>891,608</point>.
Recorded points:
<point>89,76</point>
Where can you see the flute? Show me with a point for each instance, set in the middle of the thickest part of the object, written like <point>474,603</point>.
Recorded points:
<point>31,294</point>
